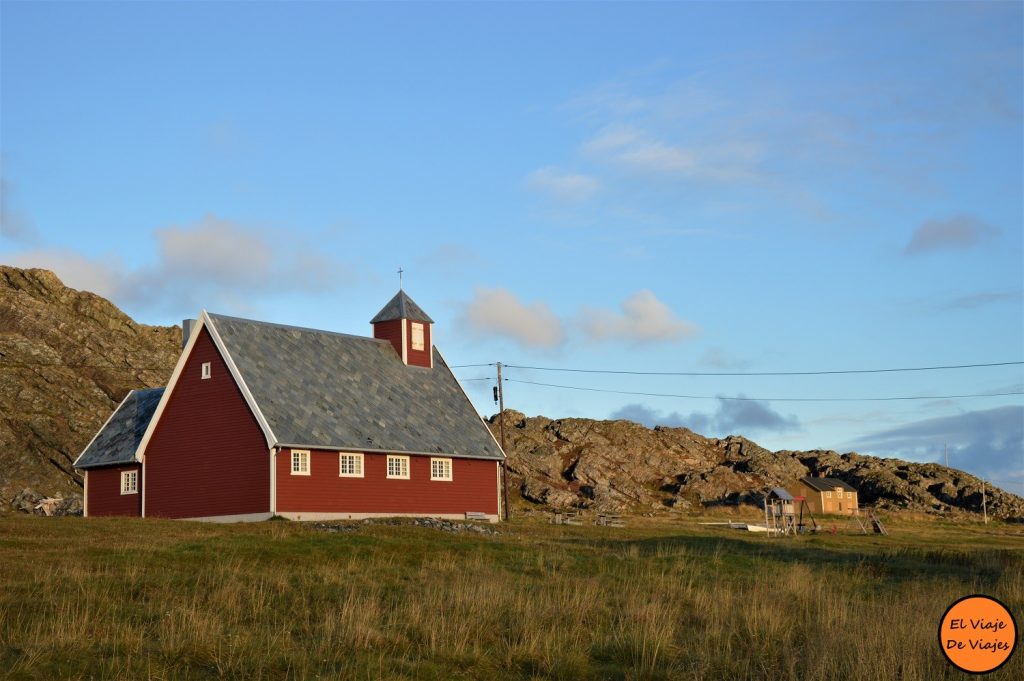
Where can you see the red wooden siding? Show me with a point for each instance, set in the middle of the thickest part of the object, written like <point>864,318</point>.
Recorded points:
<point>207,456</point>
<point>474,487</point>
<point>390,331</point>
<point>105,496</point>
<point>419,358</point>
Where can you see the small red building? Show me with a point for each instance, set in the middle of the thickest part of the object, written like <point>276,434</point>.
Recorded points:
<point>263,419</point>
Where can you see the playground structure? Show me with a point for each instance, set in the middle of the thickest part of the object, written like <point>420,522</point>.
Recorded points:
<point>784,515</point>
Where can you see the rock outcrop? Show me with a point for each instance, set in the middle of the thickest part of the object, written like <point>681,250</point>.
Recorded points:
<point>67,358</point>
<point>623,466</point>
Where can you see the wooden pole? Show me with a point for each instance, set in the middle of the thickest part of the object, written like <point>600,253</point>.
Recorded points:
<point>984,505</point>
<point>501,431</point>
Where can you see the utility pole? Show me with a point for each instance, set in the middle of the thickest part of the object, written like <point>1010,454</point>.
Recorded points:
<point>984,506</point>
<point>501,430</point>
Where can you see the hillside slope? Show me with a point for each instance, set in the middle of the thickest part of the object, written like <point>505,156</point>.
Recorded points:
<point>621,465</point>
<point>67,358</point>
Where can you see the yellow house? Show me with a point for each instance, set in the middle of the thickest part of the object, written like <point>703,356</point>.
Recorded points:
<point>829,496</point>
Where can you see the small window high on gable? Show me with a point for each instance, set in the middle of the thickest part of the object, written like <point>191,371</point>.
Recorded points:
<point>206,370</point>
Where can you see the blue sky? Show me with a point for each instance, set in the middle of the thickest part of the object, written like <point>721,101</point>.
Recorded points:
<point>647,187</point>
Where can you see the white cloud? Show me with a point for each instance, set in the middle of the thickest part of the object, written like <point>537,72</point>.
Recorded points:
<point>732,417</point>
<point>987,442</point>
<point>563,186</point>
<point>206,264</point>
<point>643,319</point>
<point>498,312</point>
<point>955,234</point>
<point>639,151</point>
<point>102,276</point>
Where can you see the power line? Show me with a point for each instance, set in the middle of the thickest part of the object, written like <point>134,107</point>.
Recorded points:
<point>759,373</point>
<point>764,399</point>
<point>466,366</point>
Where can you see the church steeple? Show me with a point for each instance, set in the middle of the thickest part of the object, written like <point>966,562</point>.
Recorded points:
<point>408,328</point>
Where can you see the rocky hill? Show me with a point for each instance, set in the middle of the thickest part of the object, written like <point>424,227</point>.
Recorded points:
<point>624,466</point>
<point>67,358</point>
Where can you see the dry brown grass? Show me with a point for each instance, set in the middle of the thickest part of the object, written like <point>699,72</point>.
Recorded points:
<point>132,599</point>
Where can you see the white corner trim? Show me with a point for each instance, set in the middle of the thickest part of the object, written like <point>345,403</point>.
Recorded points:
<point>120,404</point>
<point>405,340</point>
<point>273,480</point>
<point>140,453</point>
<point>85,494</point>
<point>250,400</point>
<point>470,402</point>
<point>142,472</point>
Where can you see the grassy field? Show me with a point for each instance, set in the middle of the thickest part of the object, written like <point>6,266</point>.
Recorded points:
<point>670,599</point>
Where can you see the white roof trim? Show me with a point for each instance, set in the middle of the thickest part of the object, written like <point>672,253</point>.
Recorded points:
<point>469,401</point>
<point>250,400</point>
<point>204,321</point>
<point>118,408</point>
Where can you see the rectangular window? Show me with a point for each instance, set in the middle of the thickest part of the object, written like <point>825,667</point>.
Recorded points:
<point>351,465</point>
<point>828,495</point>
<point>417,336</point>
<point>849,495</point>
<point>398,467</point>
<point>440,469</point>
<point>300,462</point>
<point>206,370</point>
<point>129,482</point>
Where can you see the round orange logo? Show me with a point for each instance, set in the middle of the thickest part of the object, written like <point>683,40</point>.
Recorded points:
<point>977,634</point>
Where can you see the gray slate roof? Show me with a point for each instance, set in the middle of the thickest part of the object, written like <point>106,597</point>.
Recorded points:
<point>119,438</point>
<point>336,391</point>
<point>781,493</point>
<point>401,307</point>
<point>827,484</point>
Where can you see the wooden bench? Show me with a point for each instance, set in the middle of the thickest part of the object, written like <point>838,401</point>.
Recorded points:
<point>609,520</point>
<point>566,518</point>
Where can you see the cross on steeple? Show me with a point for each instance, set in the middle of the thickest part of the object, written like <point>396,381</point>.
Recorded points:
<point>400,272</point>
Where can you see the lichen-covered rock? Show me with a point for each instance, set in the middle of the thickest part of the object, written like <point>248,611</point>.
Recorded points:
<point>67,358</point>
<point>26,500</point>
<point>622,466</point>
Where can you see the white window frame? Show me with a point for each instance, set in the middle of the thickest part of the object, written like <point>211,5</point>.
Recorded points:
<point>445,466</point>
<point>298,457</point>
<point>849,495</point>
<point>828,495</point>
<point>357,460</point>
<point>206,370</point>
<point>403,467</point>
<point>129,482</point>
<point>417,330</point>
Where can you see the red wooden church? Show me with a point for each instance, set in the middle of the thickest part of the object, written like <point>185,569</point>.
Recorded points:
<point>264,419</point>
